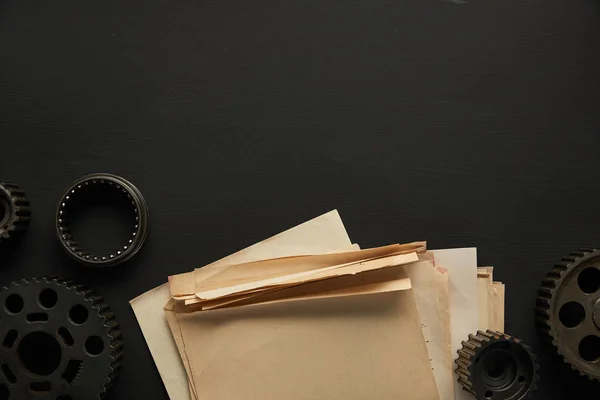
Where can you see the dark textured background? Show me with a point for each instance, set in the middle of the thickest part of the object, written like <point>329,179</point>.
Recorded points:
<point>466,123</point>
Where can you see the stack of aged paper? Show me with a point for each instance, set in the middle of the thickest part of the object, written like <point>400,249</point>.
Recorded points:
<point>306,314</point>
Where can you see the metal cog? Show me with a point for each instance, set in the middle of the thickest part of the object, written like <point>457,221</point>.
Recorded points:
<point>71,326</point>
<point>494,366</point>
<point>568,311</point>
<point>14,211</point>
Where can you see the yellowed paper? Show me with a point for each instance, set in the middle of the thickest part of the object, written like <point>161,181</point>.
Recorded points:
<point>462,276</point>
<point>320,235</point>
<point>443,291</point>
<point>325,233</point>
<point>434,322</point>
<point>148,309</point>
<point>371,282</point>
<point>377,281</point>
<point>174,327</point>
<point>274,268</point>
<point>367,347</point>
<point>308,276</point>
<point>485,303</point>
<point>498,316</point>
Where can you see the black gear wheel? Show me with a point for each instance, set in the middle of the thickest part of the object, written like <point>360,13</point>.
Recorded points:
<point>495,366</point>
<point>14,211</point>
<point>568,310</point>
<point>59,341</point>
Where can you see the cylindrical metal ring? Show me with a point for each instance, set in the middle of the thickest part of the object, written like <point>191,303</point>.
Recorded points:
<point>139,208</point>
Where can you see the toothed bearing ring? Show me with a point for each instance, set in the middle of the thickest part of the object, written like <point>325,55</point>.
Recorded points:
<point>568,310</point>
<point>494,366</point>
<point>14,211</point>
<point>110,185</point>
<point>59,341</point>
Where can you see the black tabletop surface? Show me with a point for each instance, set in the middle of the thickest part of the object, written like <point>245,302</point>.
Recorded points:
<point>465,123</point>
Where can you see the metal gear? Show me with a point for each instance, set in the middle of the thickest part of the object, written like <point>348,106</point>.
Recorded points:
<point>568,310</point>
<point>92,186</point>
<point>495,366</point>
<point>59,341</point>
<point>14,211</point>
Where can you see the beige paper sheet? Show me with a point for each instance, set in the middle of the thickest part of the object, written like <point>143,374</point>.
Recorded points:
<point>433,303</point>
<point>323,234</point>
<point>272,268</point>
<point>462,274</point>
<point>485,298</point>
<point>443,290</point>
<point>320,235</point>
<point>310,276</point>
<point>371,282</point>
<point>260,350</point>
<point>497,323</point>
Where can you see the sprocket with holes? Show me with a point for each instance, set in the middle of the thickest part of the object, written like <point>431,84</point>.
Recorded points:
<point>59,340</point>
<point>495,366</point>
<point>568,310</point>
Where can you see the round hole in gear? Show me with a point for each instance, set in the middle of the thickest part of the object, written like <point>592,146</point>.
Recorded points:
<point>94,345</point>
<point>589,348</point>
<point>488,394</point>
<point>589,280</point>
<point>78,314</point>
<point>571,314</point>
<point>499,368</point>
<point>48,298</point>
<point>14,303</point>
<point>40,353</point>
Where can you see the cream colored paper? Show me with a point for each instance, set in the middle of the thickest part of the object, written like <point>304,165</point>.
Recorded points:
<point>485,300</point>
<point>432,300</point>
<point>320,235</point>
<point>354,343</point>
<point>443,291</point>
<point>148,310</point>
<point>498,316</point>
<point>272,268</point>
<point>462,275</point>
<point>310,276</point>
<point>372,282</point>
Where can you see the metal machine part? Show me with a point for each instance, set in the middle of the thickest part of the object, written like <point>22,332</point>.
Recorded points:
<point>14,211</point>
<point>494,366</point>
<point>59,341</point>
<point>568,310</point>
<point>110,185</point>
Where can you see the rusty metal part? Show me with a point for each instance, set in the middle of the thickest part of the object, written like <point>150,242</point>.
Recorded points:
<point>568,310</point>
<point>495,366</point>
